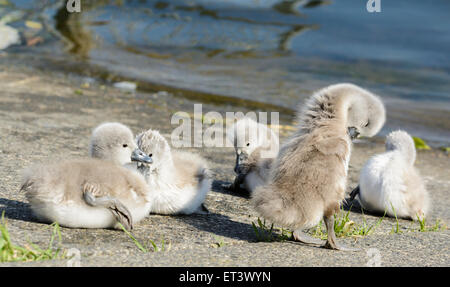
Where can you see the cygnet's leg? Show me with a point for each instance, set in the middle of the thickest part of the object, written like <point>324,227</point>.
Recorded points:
<point>331,241</point>
<point>236,185</point>
<point>354,193</point>
<point>302,237</point>
<point>202,210</point>
<point>94,197</point>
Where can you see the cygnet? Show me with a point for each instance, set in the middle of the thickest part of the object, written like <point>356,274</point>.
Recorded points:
<point>390,183</point>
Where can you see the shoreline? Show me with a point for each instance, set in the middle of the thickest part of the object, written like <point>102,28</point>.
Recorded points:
<point>431,123</point>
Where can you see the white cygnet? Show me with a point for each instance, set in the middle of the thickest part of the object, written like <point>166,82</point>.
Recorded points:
<point>91,192</point>
<point>179,181</point>
<point>390,183</point>
<point>256,146</point>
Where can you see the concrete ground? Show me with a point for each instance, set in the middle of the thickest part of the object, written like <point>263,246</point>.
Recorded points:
<point>46,116</point>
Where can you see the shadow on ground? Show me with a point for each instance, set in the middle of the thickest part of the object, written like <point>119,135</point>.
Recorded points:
<point>14,209</point>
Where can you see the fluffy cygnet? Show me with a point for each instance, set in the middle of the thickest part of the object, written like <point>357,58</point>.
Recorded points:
<point>256,146</point>
<point>91,193</point>
<point>179,181</point>
<point>309,176</point>
<point>390,182</point>
<point>114,142</point>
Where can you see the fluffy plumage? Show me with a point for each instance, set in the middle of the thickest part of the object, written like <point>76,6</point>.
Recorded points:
<point>390,182</point>
<point>113,142</point>
<point>309,175</point>
<point>90,193</point>
<point>256,146</point>
<point>179,180</point>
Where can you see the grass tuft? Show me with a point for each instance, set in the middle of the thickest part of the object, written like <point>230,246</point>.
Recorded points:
<point>420,143</point>
<point>10,252</point>
<point>345,227</point>
<point>423,227</point>
<point>145,249</point>
<point>266,234</point>
<point>396,228</point>
<point>218,242</point>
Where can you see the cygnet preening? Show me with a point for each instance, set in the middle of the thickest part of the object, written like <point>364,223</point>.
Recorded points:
<point>179,181</point>
<point>390,182</point>
<point>92,193</point>
<point>309,176</point>
<point>256,146</point>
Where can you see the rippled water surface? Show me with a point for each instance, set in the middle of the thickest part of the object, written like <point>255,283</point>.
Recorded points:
<point>269,54</point>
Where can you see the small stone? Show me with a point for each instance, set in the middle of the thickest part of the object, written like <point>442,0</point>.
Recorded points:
<point>129,86</point>
<point>162,93</point>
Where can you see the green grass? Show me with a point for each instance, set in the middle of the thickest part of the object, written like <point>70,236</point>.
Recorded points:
<point>396,227</point>
<point>218,242</point>
<point>10,252</point>
<point>423,227</point>
<point>151,245</point>
<point>365,229</point>
<point>345,227</point>
<point>420,143</point>
<point>267,234</point>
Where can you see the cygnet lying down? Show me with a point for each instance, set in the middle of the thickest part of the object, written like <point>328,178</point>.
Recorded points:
<point>91,193</point>
<point>390,182</point>
<point>179,181</point>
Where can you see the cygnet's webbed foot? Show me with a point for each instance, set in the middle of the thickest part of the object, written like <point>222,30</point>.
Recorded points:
<point>93,196</point>
<point>300,236</point>
<point>331,240</point>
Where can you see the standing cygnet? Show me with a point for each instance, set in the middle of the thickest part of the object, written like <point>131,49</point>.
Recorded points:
<point>92,193</point>
<point>309,175</point>
<point>256,146</point>
<point>389,182</point>
<point>179,181</point>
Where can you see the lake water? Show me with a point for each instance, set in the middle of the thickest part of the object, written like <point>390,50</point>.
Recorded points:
<point>269,54</point>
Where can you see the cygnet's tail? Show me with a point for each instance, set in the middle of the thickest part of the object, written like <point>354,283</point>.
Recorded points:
<point>270,205</point>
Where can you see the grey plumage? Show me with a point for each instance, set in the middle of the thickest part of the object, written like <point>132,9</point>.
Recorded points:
<point>309,175</point>
<point>90,193</point>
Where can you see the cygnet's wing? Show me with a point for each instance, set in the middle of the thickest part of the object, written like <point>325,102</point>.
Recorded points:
<point>62,181</point>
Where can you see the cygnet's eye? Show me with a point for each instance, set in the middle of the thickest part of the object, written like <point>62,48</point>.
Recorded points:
<point>150,155</point>
<point>125,145</point>
<point>248,144</point>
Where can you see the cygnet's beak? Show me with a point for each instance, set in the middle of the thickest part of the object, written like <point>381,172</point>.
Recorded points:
<point>140,156</point>
<point>241,158</point>
<point>353,132</point>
